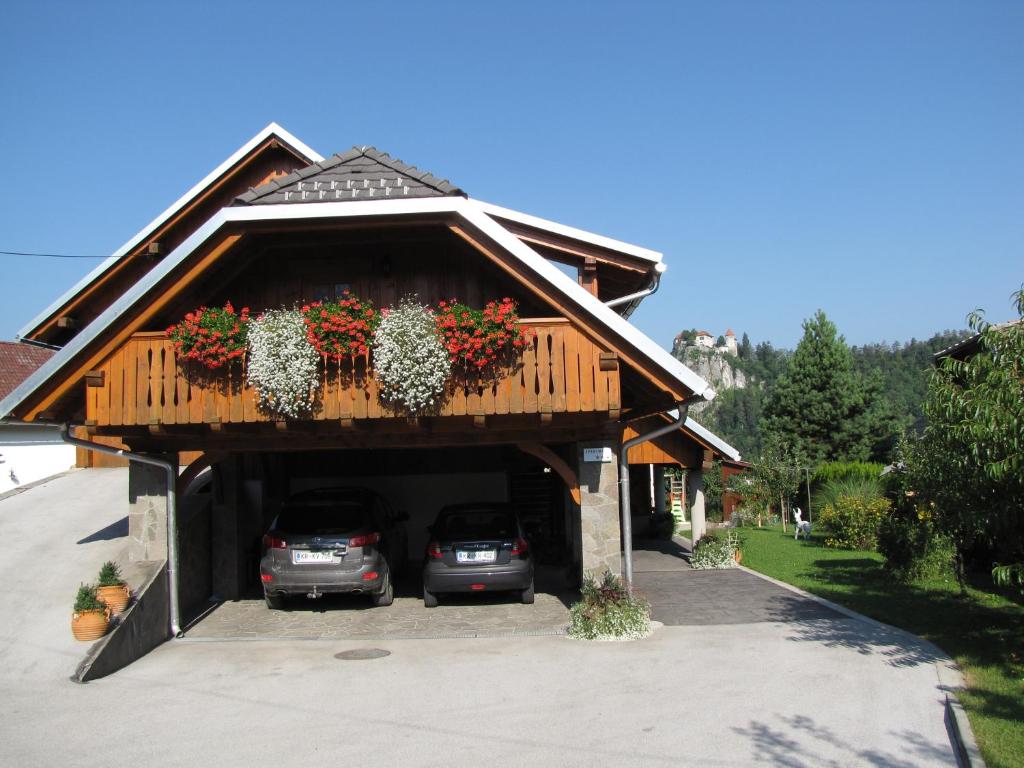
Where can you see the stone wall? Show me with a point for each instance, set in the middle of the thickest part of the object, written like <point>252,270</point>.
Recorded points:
<point>147,512</point>
<point>599,511</point>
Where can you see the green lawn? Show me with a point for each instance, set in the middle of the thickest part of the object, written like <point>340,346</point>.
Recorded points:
<point>982,631</point>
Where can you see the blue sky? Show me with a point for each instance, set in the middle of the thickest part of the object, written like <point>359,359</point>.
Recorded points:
<point>866,158</point>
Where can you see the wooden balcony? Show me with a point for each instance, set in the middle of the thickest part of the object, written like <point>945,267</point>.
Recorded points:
<point>143,384</point>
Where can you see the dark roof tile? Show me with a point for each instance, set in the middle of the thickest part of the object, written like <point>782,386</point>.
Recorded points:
<point>361,173</point>
<point>17,363</point>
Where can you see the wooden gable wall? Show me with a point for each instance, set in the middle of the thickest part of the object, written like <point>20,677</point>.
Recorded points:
<point>264,163</point>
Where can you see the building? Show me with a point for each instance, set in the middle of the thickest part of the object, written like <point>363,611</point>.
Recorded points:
<point>28,452</point>
<point>278,224</point>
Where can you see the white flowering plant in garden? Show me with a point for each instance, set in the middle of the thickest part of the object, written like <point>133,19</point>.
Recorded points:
<point>282,365</point>
<point>409,360</point>
<point>713,552</point>
<point>607,611</point>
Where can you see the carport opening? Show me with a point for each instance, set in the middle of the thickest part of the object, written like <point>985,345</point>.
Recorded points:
<point>222,529</point>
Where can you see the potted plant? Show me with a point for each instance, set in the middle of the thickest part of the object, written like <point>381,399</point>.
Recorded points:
<point>91,617</point>
<point>111,589</point>
<point>212,336</point>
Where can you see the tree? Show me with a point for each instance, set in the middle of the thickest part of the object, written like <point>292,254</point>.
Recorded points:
<point>970,460</point>
<point>774,477</point>
<point>820,406</point>
<point>746,351</point>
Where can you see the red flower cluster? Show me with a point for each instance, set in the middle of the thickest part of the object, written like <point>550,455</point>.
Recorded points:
<point>213,337</point>
<point>342,328</point>
<point>478,338</point>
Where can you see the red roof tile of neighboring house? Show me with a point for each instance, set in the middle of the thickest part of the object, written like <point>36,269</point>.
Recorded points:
<point>17,362</point>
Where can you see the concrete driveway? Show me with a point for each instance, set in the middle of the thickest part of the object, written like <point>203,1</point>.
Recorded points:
<point>811,691</point>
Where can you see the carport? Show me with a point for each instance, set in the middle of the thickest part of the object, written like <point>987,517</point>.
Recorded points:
<point>228,506</point>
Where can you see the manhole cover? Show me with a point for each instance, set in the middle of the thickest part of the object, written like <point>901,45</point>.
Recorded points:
<point>360,654</point>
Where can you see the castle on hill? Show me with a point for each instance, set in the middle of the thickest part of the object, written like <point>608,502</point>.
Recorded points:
<point>706,340</point>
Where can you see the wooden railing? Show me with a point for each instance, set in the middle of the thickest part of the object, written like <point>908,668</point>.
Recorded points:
<point>561,371</point>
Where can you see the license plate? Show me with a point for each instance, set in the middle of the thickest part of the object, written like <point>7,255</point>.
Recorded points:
<point>485,556</point>
<point>300,556</point>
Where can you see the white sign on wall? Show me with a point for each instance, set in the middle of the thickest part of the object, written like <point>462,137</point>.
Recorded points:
<point>602,455</point>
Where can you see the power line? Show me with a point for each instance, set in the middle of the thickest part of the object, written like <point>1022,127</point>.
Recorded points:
<point>51,255</point>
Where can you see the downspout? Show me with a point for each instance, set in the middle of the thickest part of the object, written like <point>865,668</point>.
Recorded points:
<point>627,520</point>
<point>172,515</point>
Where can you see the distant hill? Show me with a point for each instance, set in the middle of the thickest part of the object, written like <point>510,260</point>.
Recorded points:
<point>744,380</point>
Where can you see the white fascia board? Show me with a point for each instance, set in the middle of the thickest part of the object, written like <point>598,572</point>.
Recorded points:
<point>591,304</point>
<point>571,232</point>
<point>273,129</point>
<point>710,437</point>
<point>355,209</point>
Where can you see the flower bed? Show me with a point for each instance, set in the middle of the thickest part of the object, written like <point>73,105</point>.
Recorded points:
<point>607,611</point>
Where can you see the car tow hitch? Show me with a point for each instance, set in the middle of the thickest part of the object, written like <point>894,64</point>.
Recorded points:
<point>314,594</point>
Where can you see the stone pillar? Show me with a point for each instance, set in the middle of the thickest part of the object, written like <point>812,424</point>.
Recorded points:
<point>695,498</point>
<point>599,510</point>
<point>660,507</point>
<point>227,551</point>
<point>147,511</point>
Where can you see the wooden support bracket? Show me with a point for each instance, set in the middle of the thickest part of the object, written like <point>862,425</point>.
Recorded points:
<point>609,361</point>
<point>557,463</point>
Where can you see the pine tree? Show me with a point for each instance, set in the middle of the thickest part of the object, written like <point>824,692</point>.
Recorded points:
<point>746,351</point>
<point>820,407</point>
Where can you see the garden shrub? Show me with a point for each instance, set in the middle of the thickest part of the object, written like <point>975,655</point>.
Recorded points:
<point>607,611</point>
<point>914,550</point>
<point>859,487</point>
<point>832,471</point>
<point>853,521</point>
<point>713,552</point>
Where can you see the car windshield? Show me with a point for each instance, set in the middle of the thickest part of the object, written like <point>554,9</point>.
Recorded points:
<point>476,523</point>
<point>334,517</point>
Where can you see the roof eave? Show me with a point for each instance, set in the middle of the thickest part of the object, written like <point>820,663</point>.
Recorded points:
<point>419,206</point>
<point>273,130</point>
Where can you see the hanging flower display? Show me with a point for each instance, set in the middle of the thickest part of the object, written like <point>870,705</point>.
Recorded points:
<point>211,336</point>
<point>342,328</point>
<point>282,364</point>
<point>409,360</point>
<point>478,338</point>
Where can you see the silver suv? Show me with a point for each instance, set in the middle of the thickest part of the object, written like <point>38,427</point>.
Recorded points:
<point>333,540</point>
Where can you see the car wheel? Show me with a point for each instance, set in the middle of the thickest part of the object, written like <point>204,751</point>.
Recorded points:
<point>527,595</point>
<point>386,596</point>
<point>429,598</point>
<point>274,602</point>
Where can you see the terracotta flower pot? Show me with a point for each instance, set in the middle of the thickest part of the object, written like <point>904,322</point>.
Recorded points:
<point>90,625</point>
<point>115,597</point>
<point>738,556</point>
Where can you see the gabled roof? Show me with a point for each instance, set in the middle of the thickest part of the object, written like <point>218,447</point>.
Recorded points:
<point>362,173</point>
<point>652,356</point>
<point>18,362</point>
<point>272,131</point>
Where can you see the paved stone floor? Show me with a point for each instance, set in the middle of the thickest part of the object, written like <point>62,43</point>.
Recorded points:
<point>352,617</point>
<point>681,596</point>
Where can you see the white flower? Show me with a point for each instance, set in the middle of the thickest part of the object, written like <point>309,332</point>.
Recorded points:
<point>282,364</point>
<point>409,360</point>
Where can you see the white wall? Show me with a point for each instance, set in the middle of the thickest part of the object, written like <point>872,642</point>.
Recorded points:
<point>421,496</point>
<point>29,453</point>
